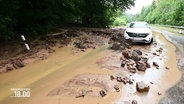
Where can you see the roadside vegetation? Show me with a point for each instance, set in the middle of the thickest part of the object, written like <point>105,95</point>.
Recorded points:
<point>166,12</point>
<point>35,17</point>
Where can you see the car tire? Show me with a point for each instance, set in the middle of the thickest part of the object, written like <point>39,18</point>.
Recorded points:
<point>151,41</point>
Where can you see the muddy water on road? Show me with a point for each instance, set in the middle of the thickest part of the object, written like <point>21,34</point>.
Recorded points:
<point>63,65</point>
<point>162,79</point>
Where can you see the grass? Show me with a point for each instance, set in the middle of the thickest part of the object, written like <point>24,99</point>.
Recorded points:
<point>173,30</point>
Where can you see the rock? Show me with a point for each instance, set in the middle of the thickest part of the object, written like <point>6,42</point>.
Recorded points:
<point>160,50</point>
<point>148,65</point>
<point>19,63</point>
<point>141,66</point>
<point>138,51</point>
<point>155,64</point>
<point>130,62</point>
<point>151,83</point>
<point>154,53</point>
<point>144,59</point>
<point>132,71</point>
<point>159,93</point>
<point>119,79</point>
<point>15,66</point>
<point>167,68</point>
<point>112,77</point>
<point>126,54</point>
<point>83,50</point>
<point>116,46</point>
<point>132,68</point>
<point>116,87</point>
<point>102,93</point>
<point>123,63</point>
<point>142,87</point>
<point>51,51</point>
<point>134,102</point>
<point>135,56</point>
<point>81,93</point>
<point>9,68</point>
<point>127,80</point>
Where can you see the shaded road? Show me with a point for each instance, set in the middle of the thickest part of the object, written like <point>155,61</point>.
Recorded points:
<point>175,95</point>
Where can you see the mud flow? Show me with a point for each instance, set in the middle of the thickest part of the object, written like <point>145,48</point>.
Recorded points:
<point>96,74</point>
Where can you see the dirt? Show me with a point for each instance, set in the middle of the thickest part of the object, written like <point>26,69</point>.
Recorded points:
<point>94,76</point>
<point>92,84</point>
<point>82,38</point>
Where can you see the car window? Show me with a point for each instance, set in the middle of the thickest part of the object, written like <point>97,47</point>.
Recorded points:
<point>138,25</point>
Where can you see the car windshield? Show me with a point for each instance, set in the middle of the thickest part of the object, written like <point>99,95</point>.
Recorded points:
<point>138,25</point>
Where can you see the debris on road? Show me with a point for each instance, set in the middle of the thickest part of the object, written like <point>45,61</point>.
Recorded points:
<point>142,87</point>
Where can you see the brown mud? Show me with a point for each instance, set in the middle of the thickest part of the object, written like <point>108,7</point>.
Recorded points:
<point>70,76</point>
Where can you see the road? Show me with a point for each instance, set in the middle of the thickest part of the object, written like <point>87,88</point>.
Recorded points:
<point>67,64</point>
<point>175,95</point>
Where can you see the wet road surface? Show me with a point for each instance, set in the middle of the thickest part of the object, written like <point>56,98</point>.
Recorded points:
<point>175,95</point>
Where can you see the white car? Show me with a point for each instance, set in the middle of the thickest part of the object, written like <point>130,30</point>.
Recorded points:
<point>139,32</point>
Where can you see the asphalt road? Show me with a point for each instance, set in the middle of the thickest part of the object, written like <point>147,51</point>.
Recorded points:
<point>175,95</point>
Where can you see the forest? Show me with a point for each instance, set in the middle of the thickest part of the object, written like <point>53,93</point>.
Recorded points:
<point>37,17</point>
<point>165,12</point>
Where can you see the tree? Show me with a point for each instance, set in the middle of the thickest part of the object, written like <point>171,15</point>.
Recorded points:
<point>31,17</point>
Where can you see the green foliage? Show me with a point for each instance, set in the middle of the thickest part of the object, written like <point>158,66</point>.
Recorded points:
<point>121,19</point>
<point>31,17</point>
<point>168,12</point>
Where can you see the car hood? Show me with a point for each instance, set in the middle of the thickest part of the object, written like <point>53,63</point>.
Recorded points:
<point>138,30</point>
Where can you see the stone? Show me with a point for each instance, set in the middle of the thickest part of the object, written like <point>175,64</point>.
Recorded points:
<point>127,80</point>
<point>112,77</point>
<point>144,59</point>
<point>132,68</point>
<point>167,68</point>
<point>134,102</point>
<point>116,46</point>
<point>148,65</point>
<point>159,93</point>
<point>142,87</point>
<point>119,79</point>
<point>15,66</point>
<point>126,54</point>
<point>123,63</point>
<point>135,56</point>
<point>116,87</point>
<point>160,50</point>
<point>19,63</point>
<point>155,64</point>
<point>138,51</point>
<point>102,93</point>
<point>51,51</point>
<point>83,50</point>
<point>9,68</point>
<point>154,53</point>
<point>81,93</point>
<point>141,66</point>
<point>130,62</point>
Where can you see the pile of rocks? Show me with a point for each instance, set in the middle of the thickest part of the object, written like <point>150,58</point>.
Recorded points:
<point>133,61</point>
<point>86,42</point>
<point>10,65</point>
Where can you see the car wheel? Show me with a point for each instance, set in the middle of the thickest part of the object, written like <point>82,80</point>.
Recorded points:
<point>151,41</point>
